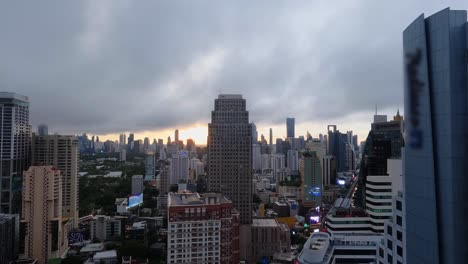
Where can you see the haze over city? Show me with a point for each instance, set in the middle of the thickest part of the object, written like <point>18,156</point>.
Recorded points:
<point>156,66</point>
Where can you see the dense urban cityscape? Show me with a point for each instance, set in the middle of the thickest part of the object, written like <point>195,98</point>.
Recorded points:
<point>325,197</point>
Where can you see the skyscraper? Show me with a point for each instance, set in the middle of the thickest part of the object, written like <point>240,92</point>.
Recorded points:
<point>15,147</point>
<point>230,153</point>
<point>42,130</point>
<point>290,127</point>
<point>437,136</point>
<point>179,170</point>
<point>311,177</point>
<point>271,137</point>
<point>44,236</point>
<point>176,135</point>
<point>61,152</point>
<point>9,237</point>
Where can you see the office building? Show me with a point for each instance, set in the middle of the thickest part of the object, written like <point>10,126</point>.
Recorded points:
<point>45,235</point>
<point>105,228</point>
<point>290,127</point>
<point>150,166</point>
<point>202,229</point>
<point>311,178</point>
<point>137,184</point>
<point>270,142</point>
<point>336,146</point>
<point>256,157</point>
<point>384,142</point>
<point>230,153</point>
<point>293,160</point>
<point>435,120</point>
<point>329,170</point>
<point>179,168</point>
<point>9,237</point>
<point>254,134</point>
<point>15,148</point>
<point>164,177</point>
<point>130,142</point>
<point>269,237</point>
<point>122,139</point>
<point>61,152</point>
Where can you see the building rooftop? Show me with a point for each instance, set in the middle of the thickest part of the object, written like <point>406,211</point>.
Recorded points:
<point>10,95</point>
<point>92,247</point>
<point>316,250</point>
<point>230,96</point>
<point>264,222</point>
<point>105,255</point>
<point>188,198</point>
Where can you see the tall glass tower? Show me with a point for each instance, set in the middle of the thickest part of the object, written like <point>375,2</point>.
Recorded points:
<point>436,154</point>
<point>290,127</point>
<point>230,153</point>
<point>15,148</point>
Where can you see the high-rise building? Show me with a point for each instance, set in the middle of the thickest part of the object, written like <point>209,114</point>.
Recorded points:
<point>254,134</point>
<point>122,139</point>
<point>44,236</point>
<point>336,146</point>
<point>437,137</point>
<point>256,157</point>
<point>384,142</point>
<point>311,178</point>
<point>179,169</point>
<point>230,153</point>
<point>202,229</point>
<point>15,147</point>
<point>61,152</point>
<point>176,135</point>
<point>123,155</point>
<point>150,166</point>
<point>164,177</point>
<point>9,237</point>
<point>282,146</point>
<point>271,138</point>
<point>292,160</point>
<point>130,142</point>
<point>137,184</point>
<point>146,145</point>
<point>329,170</point>
<point>290,127</point>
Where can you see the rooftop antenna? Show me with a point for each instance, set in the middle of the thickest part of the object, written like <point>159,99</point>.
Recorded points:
<point>375,109</point>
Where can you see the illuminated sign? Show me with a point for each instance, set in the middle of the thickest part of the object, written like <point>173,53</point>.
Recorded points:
<point>341,182</point>
<point>76,236</point>
<point>314,219</point>
<point>315,191</point>
<point>135,200</point>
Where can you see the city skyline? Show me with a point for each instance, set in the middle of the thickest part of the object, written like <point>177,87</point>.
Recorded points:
<point>127,72</point>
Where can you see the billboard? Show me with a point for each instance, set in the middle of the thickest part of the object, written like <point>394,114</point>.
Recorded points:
<point>135,200</point>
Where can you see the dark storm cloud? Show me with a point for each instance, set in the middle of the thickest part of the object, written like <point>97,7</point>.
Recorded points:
<point>111,66</point>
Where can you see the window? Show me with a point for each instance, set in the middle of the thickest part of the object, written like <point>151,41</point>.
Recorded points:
<point>381,253</point>
<point>389,244</point>
<point>398,205</point>
<point>400,251</point>
<point>399,220</point>
<point>389,230</point>
<point>389,258</point>
<point>399,236</point>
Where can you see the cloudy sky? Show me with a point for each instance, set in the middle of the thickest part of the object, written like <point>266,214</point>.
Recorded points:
<point>106,67</point>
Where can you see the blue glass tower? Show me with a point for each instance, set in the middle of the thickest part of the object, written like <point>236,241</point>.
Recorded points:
<point>290,126</point>
<point>436,154</point>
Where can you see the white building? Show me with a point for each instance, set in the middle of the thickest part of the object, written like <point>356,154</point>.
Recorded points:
<point>324,248</point>
<point>105,228</point>
<point>179,168</point>
<point>123,154</point>
<point>137,184</point>
<point>392,248</point>
<point>293,160</point>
